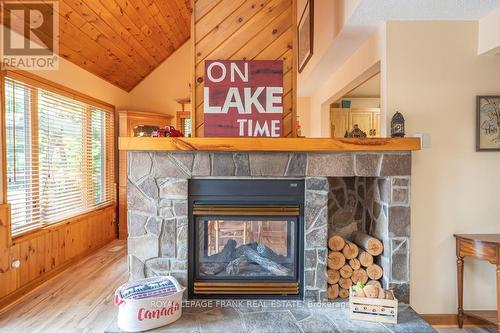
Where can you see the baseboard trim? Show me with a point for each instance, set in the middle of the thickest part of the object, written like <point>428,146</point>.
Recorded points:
<point>450,320</point>
<point>19,294</point>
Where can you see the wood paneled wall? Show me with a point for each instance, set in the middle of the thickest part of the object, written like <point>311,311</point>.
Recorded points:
<point>46,252</point>
<point>245,30</point>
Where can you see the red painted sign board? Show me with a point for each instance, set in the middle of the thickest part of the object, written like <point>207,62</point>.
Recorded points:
<point>243,98</point>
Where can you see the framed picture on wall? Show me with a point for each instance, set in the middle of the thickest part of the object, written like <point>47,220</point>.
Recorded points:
<point>488,123</point>
<point>305,34</point>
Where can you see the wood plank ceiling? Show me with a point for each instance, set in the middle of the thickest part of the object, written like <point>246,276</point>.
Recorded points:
<point>122,41</point>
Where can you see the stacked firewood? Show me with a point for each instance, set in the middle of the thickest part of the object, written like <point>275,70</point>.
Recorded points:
<point>352,261</point>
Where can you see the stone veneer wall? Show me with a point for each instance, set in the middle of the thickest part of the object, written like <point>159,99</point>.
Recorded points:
<point>158,192</point>
<point>388,218</point>
<point>347,206</point>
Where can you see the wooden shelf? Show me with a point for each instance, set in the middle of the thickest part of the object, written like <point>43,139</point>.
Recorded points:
<point>268,144</point>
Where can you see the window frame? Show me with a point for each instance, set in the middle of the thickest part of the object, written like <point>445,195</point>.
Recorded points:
<point>181,116</point>
<point>110,159</point>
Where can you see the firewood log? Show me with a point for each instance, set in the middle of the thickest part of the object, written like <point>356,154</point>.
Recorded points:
<point>350,250</point>
<point>344,293</point>
<point>345,283</point>
<point>365,258</point>
<point>359,275</point>
<point>355,264</point>
<point>217,263</point>
<point>368,243</point>
<point>333,276</point>
<point>262,250</point>
<point>336,260</point>
<point>332,292</point>
<point>346,271</point>
<point>374,283</point>
<point>374,272</point>
<point>267,252</point>
<point>336,243</point>
<point>265,263</point>
<point>234,267</point>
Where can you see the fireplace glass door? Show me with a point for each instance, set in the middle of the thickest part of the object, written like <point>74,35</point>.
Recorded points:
<point>245,250</point>
<point>246,247</point>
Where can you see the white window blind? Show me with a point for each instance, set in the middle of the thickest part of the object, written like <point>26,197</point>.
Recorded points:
<point>60,156</point>
<point>19,150</point>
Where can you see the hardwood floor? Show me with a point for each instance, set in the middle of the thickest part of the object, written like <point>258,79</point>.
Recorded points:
<point>78,300</point>
<point>467,330</point>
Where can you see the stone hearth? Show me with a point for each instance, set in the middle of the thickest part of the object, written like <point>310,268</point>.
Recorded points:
<point>282,316</point>
<point>344,192</point>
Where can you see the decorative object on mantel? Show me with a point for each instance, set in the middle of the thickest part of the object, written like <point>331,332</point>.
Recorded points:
<point>167,131</point>
<point>356,132</point>
<point>397,125</point>
<point>488,123</point>
<point>243,98</point>
<point>305,35</point>
<point>145,130</point>
<point>298,128</point>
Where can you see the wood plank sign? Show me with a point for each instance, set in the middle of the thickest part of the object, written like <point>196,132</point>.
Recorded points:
<point>243,98</point>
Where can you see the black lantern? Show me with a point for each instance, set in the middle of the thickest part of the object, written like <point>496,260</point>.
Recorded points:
<point>398,126</point>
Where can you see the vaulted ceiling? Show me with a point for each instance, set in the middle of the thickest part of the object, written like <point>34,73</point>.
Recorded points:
<point>122,41</point>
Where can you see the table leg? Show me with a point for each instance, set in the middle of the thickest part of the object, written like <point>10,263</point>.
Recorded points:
<point>460,286</point>
<point>498,297</point>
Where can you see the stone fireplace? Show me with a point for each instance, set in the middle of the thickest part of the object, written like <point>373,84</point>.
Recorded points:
<point>343,192</point>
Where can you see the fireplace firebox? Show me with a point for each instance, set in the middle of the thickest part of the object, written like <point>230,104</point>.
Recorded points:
<point>246,238</point>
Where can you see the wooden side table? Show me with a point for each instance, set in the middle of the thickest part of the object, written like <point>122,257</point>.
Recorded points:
<point>484,247</point>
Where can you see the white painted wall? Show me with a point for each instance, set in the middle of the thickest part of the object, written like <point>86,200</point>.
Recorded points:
<point>433,77</point>
<point>326,28</point>
<point>158,91</point>
<point>331,47</point>
<point>363,63</point>
<point>489,33</point>
<point>76,78</point>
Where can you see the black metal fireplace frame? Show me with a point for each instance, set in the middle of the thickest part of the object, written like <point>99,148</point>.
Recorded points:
<point>233,278</point>
<point>247,192</point>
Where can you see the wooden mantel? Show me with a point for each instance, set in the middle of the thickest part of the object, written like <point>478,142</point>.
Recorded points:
<point>268,144</point>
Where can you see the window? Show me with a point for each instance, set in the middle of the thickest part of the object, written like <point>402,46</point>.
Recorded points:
<point>184,122</point>
<point>60,155</point>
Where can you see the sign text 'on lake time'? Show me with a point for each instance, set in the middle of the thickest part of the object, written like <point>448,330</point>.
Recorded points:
<point>243,98</point>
